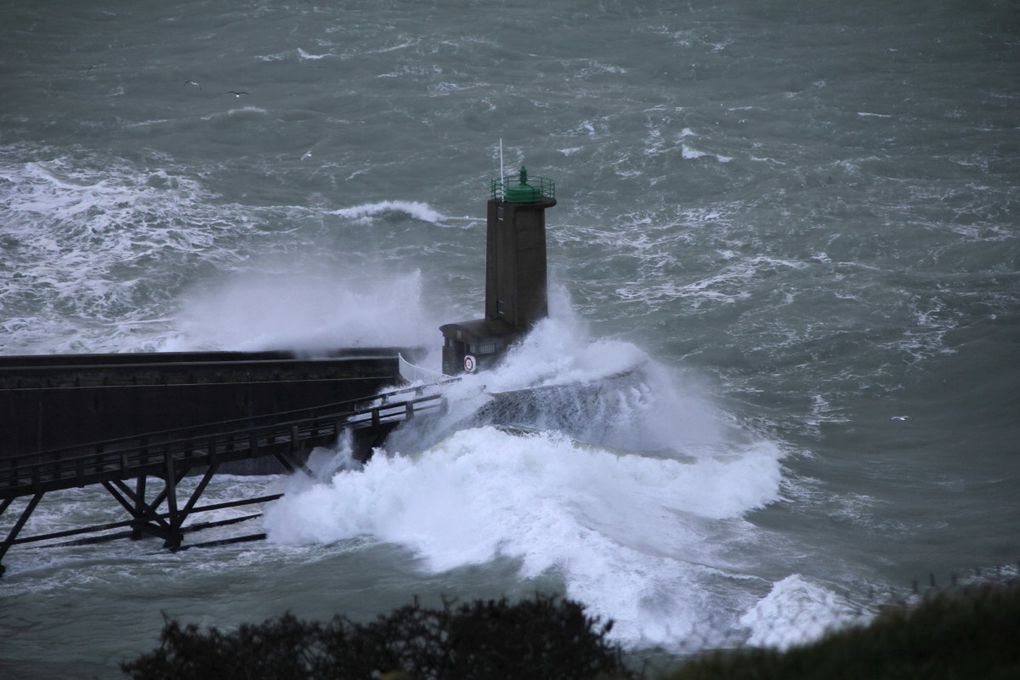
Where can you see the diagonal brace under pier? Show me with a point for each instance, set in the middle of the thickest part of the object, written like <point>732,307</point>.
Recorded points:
<point>171,454</point>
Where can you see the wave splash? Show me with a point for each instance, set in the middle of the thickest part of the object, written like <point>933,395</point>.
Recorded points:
<point>415,209</point>
<point>625,532</point>
<point>642,514</point>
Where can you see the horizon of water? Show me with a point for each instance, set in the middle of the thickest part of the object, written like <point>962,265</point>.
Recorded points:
<point>792,228</point>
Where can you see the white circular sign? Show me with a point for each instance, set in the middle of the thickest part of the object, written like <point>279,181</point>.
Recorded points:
<point>470,363</point>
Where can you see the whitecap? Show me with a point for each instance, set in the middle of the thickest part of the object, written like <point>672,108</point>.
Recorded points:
<point>238,112</point>
<point>416,209</point>
<point>691,153</point>
<point>308,56</point>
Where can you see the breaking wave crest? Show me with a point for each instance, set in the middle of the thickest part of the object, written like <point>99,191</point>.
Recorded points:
<point>609,476</point>
<point>629,535</point>
<point>416,209</point>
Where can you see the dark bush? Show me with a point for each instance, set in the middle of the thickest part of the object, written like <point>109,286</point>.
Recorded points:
<point>544,637</point>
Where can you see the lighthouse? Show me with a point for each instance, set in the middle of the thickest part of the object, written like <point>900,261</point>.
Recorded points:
<point>516,295</point>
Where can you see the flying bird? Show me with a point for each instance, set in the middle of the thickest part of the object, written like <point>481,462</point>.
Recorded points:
<point>237,93</point>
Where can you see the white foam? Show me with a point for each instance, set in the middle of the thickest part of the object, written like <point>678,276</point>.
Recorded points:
<point>598,67</point>
<point>625,532</point>
<point>586,127</point>
<point>86,233</point>
<point>691,153</point>
<point>636,537</point>
<point>797,611</point>
<point>393,48</point>
<point>599,390</point>
<point>728,285</point>
<point>237,112</point>
<point>307,56</point>
<point>417,210</point>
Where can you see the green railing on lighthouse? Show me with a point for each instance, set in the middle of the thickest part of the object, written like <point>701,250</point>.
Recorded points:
<point>520,188</point>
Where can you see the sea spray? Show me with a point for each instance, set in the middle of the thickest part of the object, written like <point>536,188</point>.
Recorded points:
<point>413,209</point>
<point>575,457</point>
<point>324,463</point>
<point>628,535</point>
<point>307,312</point>
<point>602,391</point>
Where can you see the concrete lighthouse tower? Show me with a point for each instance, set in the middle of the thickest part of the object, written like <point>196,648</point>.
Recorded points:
<point>516,294</point>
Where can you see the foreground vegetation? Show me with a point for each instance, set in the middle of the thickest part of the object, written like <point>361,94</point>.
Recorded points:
<point>544,637</point>
<point>968,634</point>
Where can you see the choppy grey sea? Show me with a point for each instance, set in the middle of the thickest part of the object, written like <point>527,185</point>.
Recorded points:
<point>796,223</point>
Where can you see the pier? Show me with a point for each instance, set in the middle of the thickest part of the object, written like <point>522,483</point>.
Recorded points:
<point>153,389</point>
<point>121,420</point>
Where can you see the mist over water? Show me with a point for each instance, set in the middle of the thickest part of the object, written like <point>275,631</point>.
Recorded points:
<point>782,373</point>
<point>372,308</point>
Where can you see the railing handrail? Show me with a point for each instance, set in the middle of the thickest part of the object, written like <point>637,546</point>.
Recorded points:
<point>216,424</point>
<point>545,187</point>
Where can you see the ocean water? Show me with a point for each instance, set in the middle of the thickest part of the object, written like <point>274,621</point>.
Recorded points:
<point>780,380</point>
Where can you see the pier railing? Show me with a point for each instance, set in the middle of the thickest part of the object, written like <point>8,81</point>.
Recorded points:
<point>170,455</point>
<point>518,189</point>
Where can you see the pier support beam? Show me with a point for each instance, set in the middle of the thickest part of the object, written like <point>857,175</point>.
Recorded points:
<point>146,518</point>
<point>123,466</point>
<point>136,529</point>
<point>18,526</point>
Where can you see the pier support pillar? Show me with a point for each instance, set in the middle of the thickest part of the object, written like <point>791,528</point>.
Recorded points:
<point>136,525</point>
<point>18,526</point>
<point>174,537</point>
